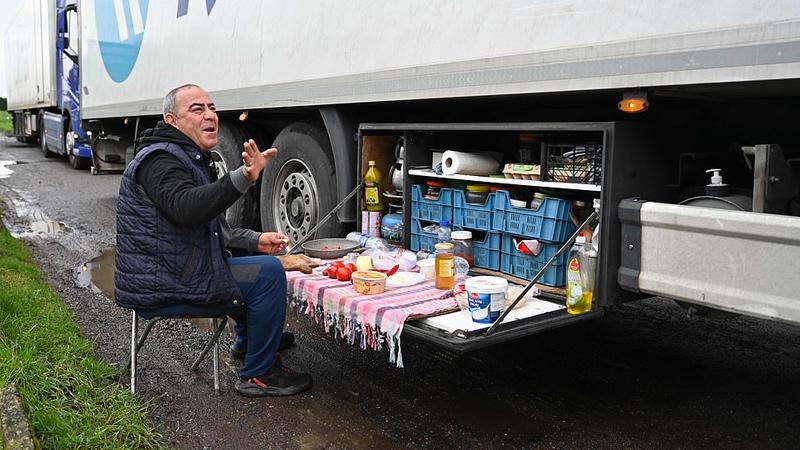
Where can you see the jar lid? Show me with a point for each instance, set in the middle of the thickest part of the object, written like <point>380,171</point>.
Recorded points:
<point>436,183</point>
<point>461,234</point>
<point>580,203</point>
<point>496,188</point>
<point>478,188</point>
<point>539,196</point>
<point>444,246</point>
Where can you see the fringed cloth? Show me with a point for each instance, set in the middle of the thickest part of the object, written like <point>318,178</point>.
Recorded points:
<point>369,320</point>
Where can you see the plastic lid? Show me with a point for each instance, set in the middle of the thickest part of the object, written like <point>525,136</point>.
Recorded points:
<point>581,239</point>
<point>539,196</point>
<point>486,285</point>
<point>461,234</point>
<point>444,223</point>
<point>372,163</point>
<point>436,183</point>
<point>444,246</point>
<point>478,188</point>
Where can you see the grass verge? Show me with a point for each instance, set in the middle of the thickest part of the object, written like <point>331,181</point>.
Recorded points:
<point>5,122</point>
<point>72,400</point>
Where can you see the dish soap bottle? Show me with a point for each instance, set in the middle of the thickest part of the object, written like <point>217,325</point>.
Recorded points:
<point>580,277</point>
<point>373,188</point>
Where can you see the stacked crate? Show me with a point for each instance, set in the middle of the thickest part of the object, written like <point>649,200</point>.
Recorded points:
<point>425,212</point>
<point>478,218</point>
<point>550,224</point>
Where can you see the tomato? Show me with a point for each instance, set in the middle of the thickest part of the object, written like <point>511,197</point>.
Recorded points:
<point>324,247</point>
<point>332,272</point>
<point>343,274</point>
<point>337,264</point>
<point>352,267</point>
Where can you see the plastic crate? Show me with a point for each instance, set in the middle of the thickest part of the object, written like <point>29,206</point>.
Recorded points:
<point>486,252</point>
<point>572,163</point>
<point>472,215</point>
<point>422,240</point>
<point>526,267</point>
<point>431,210</point>
<point>550,223</point>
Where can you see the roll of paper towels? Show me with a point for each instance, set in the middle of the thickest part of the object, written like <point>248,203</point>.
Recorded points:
<point>468,164</point>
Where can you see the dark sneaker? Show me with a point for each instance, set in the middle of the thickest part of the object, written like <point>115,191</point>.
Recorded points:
<point>238,350</point>
<point>279,381</point>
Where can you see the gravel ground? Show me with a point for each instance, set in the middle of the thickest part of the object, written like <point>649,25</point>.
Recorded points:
<point>643,376</point>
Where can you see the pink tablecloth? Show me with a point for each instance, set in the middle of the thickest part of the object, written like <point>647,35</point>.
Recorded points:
<point>372,320</point>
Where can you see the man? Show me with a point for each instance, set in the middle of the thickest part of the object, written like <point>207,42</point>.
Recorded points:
<point>172,235</point>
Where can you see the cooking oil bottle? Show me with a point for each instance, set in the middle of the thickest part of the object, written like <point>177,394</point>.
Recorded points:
<point>373,190</point>
<point>581,266</point>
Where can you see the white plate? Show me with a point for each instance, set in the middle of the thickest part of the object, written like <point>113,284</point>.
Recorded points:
<point>404,279</point>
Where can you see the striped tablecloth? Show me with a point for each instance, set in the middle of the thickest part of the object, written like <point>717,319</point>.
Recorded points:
<point>370,320</point>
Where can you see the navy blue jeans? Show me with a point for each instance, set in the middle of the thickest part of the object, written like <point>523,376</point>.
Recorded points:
<point>262,281</point>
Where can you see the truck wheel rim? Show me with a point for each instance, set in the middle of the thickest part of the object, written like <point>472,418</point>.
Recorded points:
<point>295,202</point>
<point>70,144</point>
<point>219,164</point>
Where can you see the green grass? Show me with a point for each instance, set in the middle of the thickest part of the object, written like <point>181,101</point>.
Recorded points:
<point>5,122</point>
<point>71,399</point>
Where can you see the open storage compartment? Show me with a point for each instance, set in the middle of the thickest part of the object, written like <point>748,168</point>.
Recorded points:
<point>568,163</point>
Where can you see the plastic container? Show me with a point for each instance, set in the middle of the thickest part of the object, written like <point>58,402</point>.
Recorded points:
<point>486,297</point>
<point>431,210</point>
<point>518,203</point>
<point>433,189</point>
<point>550,223</point>
<point>462,245</point>
<point>526,267</point>
<point>475,216</point>
<point>445,266</point>
<point>427,267</point>
<point>369,282</point>
<point>580,274</point>
<point>477,193</point>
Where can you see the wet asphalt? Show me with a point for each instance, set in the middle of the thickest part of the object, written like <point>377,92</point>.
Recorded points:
<point>643,376</point>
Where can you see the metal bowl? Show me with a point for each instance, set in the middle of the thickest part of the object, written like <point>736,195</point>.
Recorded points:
<point>325,248</point>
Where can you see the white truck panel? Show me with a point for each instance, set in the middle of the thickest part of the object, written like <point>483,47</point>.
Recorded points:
<point>29,56</point>
<point>742,262</point>
<point>273,53</point>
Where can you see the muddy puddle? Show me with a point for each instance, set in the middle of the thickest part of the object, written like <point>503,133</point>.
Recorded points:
<point>38,223</point>
<point>98,275</point>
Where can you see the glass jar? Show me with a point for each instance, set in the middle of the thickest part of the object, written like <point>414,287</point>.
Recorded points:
<point>477,193</point>
<point>445,266</point>
<point>538,199</point>
<point>462,245</point>
<point>434,187</point>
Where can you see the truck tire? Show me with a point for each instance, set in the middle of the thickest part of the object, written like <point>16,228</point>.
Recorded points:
<point>76,162</point>
<point>298,185</point>
<point>227,156</point>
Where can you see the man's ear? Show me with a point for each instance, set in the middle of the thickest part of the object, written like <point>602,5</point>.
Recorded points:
<point>170,119</point>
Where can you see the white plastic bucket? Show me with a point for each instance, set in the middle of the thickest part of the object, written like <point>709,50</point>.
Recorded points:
<point>485,298</point>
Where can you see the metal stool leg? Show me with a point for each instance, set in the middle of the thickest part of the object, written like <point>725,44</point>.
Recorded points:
<point>134,323</point>
<point>213,342</point>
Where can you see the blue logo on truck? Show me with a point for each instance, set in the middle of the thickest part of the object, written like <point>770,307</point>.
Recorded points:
<point>120,28</point>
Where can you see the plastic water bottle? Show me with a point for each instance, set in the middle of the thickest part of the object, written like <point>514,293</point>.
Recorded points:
<point>444,231</point>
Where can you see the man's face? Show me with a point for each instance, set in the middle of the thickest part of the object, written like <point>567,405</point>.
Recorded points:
<point>196,118</point>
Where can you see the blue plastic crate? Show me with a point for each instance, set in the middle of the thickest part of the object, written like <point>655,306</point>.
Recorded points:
<point>472,215</point>
<point>526,267</point>
<point>422,240</point>
<point>432,210</point>
<point>550,223</point>
<point>486,253</point>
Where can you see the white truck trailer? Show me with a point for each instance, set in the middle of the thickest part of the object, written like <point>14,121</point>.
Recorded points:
<point>332,84</point>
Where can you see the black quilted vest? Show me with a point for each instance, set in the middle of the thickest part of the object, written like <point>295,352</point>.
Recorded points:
<point>160,263</point>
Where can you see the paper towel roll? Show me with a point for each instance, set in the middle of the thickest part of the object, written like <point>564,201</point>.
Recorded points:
<point>468,163</point>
